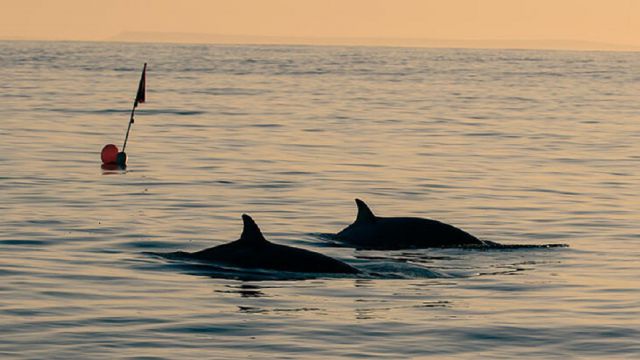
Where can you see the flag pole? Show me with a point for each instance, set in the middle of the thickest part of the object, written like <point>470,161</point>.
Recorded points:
<point>140,97</point>
<point>135,104</point>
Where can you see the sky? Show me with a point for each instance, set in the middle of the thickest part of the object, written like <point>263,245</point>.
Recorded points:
<point>607,21</point>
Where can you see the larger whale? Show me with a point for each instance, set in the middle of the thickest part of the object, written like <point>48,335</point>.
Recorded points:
<point>369,231</point>
<point>393,233</point>
<point>253,251</point>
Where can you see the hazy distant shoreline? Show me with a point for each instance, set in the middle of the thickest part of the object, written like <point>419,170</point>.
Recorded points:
<point>202,38</point>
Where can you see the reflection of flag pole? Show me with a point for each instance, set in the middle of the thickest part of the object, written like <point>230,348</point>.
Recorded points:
<point>140,98</point>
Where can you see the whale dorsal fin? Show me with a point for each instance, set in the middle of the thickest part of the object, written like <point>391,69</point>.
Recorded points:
<point>251,232</point>
<point>365,214</point>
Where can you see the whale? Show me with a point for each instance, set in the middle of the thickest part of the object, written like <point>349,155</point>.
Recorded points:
<point>369,231</point>
<point>253,251</point>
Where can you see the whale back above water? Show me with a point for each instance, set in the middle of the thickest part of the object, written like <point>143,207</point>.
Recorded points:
<point>388,233</point>
<point>252,250</point>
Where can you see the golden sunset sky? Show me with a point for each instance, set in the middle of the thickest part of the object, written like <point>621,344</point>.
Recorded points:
<point>605,21</point>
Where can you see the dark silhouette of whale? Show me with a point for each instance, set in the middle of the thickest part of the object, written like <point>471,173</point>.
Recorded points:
<point>390,233</point>
<point>394,233</point>
<point>253,251</point>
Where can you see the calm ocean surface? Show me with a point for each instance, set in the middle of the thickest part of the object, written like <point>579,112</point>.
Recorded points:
<point>517,147</point>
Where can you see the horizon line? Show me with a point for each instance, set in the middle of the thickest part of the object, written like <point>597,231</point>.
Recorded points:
<point>235,39</point>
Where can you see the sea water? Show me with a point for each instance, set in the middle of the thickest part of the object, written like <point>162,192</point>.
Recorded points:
<point>513,146</point>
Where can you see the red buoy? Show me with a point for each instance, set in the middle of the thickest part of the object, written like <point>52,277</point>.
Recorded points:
<point>109,154</point>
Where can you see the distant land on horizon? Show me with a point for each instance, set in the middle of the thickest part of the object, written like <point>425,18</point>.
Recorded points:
<point>203,38</point>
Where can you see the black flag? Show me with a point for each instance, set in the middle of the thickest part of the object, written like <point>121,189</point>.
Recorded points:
<point>140,96</point>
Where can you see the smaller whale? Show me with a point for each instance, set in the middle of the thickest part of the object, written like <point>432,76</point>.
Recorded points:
<point>253,251</point>
<point>391,233</point>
